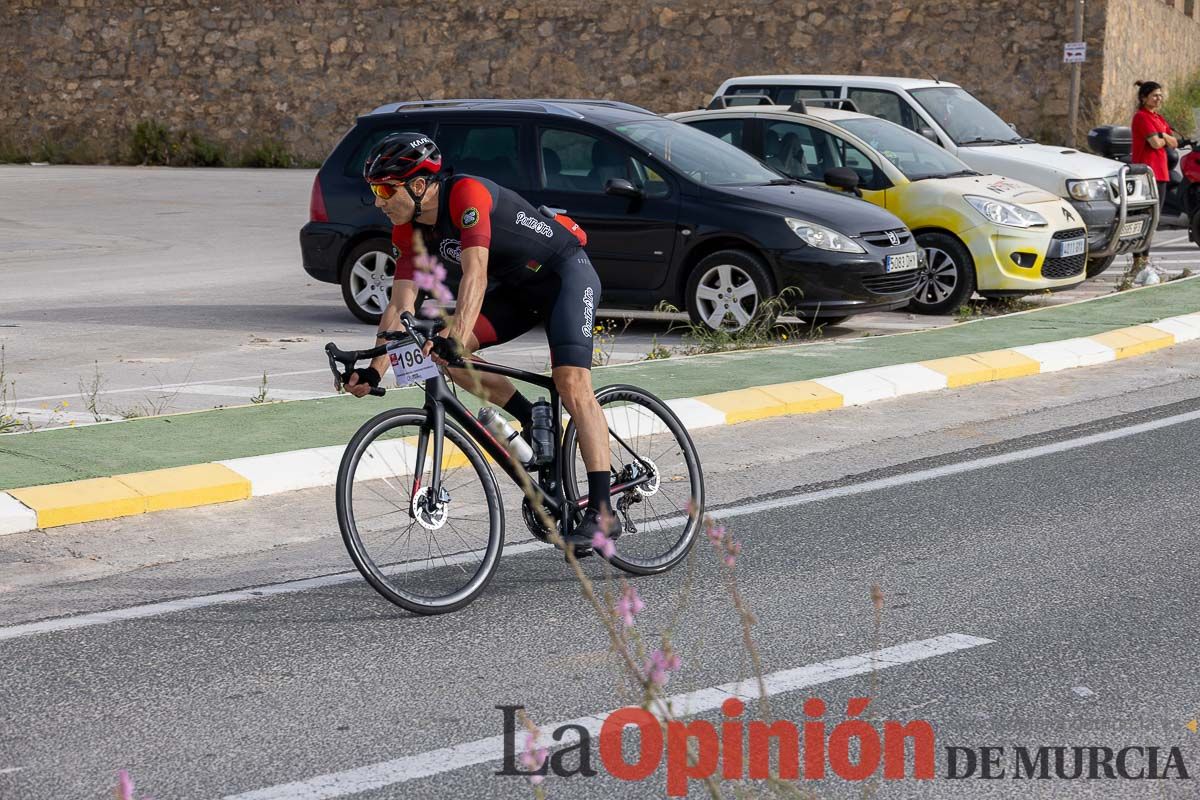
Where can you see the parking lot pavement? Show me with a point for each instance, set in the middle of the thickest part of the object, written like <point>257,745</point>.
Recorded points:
<point>150,290</point>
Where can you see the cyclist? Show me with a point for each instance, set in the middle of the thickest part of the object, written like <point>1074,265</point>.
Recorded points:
<point>543,277</point>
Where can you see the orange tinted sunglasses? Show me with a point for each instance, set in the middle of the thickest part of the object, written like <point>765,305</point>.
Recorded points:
<point>385,191</point>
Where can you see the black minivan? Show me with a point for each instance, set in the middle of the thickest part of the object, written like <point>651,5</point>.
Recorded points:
<point>671,213</point>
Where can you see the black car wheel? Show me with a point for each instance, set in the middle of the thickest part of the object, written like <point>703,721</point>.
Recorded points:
<point>947,278</point>
<point>726,288</point>
<point>1095,266</point>
<point>1194,228</point>
<point>367,279</point>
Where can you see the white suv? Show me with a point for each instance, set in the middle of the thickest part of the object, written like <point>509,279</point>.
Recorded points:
<point>1118,203</point>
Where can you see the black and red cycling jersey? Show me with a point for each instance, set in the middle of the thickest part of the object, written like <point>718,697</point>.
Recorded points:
<point>476,212</point>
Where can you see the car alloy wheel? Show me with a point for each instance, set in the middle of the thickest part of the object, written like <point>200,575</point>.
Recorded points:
<point>367,281</point>
<point>938,279</point>
<point>726,297</point>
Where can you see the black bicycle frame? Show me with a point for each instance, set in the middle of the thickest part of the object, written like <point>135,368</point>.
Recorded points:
<point>440,400</point>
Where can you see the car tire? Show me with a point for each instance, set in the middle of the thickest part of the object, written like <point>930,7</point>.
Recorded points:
<point>1194,227</point>
<point>947,279</point>
<point>726,289</point>
<point>367,275</point>
<point>1095,266</point>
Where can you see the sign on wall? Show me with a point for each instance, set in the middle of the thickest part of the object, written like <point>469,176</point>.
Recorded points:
<point>1075,52</point>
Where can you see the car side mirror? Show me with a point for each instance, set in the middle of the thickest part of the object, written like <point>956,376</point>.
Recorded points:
<point>930,135</point>
<point>843,178</point>
<point>1013,125</point>
<point>620,187</point>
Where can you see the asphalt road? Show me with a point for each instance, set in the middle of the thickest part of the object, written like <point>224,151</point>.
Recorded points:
<point>158,290</point>
<point>1056,540</point>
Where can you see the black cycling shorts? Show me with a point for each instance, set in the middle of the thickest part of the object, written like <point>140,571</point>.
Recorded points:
<point>563,298</point>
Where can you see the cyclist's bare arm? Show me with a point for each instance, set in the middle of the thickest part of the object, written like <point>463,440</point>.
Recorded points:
<point>470,293</point>
<point>404,298</point>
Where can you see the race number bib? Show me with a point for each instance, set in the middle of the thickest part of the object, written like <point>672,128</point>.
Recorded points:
<point>409,364</point>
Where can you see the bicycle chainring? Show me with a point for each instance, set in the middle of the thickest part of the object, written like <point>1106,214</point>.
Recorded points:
<point>533,521</point>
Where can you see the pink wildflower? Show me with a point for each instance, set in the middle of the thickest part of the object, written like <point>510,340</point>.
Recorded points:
<point>629,605</point>
<point>603,544</point>
<point>660,666</point>
<point>716,533</point>
<point>124,786</point>
<point>533,757</point>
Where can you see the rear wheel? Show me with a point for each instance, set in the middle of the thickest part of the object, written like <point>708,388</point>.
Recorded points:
<point>647,440</point>
<point>947,279</point>
<point>427,552</point>
<point>367,279</point>
<point>1194,228</point>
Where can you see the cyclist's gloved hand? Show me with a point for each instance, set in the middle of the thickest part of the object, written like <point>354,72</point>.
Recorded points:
<point>447,349</point>
<point>362,380</point>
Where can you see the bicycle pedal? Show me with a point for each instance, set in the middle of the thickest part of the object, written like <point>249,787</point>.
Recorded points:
<point>580,552</point>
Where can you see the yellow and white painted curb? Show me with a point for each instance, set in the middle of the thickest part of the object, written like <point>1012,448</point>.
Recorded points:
<point>237,479</point>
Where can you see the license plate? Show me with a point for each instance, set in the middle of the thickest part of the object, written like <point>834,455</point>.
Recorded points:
<point>1073,247</point>
<point>1132,229</point>
<point>901,262</point>
<point>409,364</point>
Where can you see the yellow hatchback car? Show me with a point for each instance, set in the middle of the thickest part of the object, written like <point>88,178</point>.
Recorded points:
<point>980,233</point>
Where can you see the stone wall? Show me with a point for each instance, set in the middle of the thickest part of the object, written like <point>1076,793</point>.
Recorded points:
<point>1147,41</point>
<point>299,71</point>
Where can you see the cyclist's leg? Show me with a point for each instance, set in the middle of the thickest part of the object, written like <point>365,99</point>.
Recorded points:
<point>569,329</point>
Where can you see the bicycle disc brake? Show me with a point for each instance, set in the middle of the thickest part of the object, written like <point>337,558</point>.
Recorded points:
<point>429,513</point>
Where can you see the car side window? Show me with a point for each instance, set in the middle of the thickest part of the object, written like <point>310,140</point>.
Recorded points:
<point>803,151</point>
<point>886,105</point>
<point>786,95</point>
<point>489,151</point>
<point>869,176</point>
<point>730,131</point>
<point>354,164</point>
<point>572,161</point>
<point>796,150</point>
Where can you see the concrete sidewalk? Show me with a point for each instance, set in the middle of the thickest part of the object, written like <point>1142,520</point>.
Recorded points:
<point>115,469</point>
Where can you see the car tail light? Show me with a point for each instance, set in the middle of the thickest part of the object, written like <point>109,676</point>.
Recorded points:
<point>316,203</point>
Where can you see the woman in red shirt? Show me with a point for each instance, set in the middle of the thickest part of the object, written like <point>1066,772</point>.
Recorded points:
<point>1151,136</point>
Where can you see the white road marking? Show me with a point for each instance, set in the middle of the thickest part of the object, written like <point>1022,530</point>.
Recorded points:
<point>246,392</point>
<point>10,770</point>
<point>259,592</point>
<point>171,387</point>
<point>482,751</point>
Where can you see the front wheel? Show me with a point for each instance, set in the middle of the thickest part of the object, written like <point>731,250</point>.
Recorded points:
<point>427,550</point>
<point>725,290</point>
<point>645,441</point>
<point>947,280</point>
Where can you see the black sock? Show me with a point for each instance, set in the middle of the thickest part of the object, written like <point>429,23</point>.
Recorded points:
<point>519,407</point>
<point>598,491</point>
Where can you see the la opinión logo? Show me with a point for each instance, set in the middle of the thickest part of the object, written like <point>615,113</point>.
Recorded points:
<point>854,749</point>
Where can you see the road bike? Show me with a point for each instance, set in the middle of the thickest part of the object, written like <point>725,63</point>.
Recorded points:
<point>421,511</point>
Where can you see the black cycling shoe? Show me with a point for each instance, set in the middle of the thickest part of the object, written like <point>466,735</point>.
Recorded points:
<point>581,536</point>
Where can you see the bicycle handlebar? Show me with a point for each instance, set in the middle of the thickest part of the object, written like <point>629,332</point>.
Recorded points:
<point>417,330</point>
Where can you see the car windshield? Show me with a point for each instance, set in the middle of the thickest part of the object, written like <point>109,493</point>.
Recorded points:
<point>703,158</point>
<point>913,154</point>
<point>968,121</point>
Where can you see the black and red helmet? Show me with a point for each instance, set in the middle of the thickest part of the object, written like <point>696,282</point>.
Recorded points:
<point>400,156</point>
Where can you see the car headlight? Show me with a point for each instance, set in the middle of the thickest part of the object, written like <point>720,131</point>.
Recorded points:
<point>1003,213</point>
<point>1090,189</point>
<point>823,238</point>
